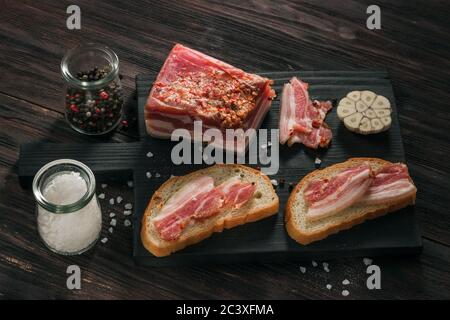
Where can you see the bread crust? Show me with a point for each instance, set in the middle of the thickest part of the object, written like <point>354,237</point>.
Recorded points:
<point>306,238</point>
<point>224,223</point>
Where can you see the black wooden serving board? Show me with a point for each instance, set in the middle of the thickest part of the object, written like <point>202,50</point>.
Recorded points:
<point>265,240</point>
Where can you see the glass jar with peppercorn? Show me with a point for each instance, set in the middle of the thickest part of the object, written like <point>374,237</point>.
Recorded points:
<point>94,97</point>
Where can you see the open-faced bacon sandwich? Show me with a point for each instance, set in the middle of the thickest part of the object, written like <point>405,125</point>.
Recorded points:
<point>345,194</point>
<point>187,209</point>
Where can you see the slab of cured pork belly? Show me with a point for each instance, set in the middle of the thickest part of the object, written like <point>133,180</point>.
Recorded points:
<point>200,199</point>
<point>192,86</point>
<point>358,185</point>
<point>302,120</point>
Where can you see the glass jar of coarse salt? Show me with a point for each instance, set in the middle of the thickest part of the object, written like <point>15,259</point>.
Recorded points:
<point>69,218</point>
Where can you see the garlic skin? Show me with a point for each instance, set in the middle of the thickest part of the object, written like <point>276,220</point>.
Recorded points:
<point>365,112</point>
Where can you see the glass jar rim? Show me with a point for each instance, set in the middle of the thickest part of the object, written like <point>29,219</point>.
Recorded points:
<point>72,79</point>
<point>66,208</point>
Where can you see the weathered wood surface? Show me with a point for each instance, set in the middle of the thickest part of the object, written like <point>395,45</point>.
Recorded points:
<point>413,45</point>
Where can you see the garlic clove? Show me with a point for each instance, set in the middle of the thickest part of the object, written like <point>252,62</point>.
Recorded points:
<point>354,95</point>
<point>386,121</point>
<point>381,113</point>
<point>365,126</point>
<point>352,121</point>
<point>368,97</point>
<point>361,106</point>
<point>369,113</point>
<point>381,102</point>
<point>344,110</point>
<point>377,125</point>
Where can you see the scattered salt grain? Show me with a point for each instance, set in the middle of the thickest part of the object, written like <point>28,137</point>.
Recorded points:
<point>329,286</point>
<point>314,264</point>
<point>112,214</point>
<point>127,212</point>
<point>119,199</point>
<point>110,229</point>
<point>113,222</point>
<point>274,182</point>
<point>317,162</point>
<point>148,174</point>
<point>325,267</point>
<point>104,240</point>
<point>128,206</point>
<point>104,185</point>
<point>127,223</point>
<point>345,282</point>
<point>149,154</point>
<point>367,261</point>
<point>302,269</point>
<point>345,293</point>
<point>101,196</point>
<point>130,183</point>
<point>157,175</point>
<point>111,201</point>
<point>269,144</point>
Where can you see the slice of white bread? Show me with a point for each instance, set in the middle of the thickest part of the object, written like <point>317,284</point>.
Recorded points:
<point>264,203</point>
<point>305,232</point>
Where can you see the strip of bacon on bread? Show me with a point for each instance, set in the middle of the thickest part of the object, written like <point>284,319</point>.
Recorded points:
<point>187,209</point>
<point>346,194</point>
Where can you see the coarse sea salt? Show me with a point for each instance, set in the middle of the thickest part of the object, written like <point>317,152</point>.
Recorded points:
<point>119,199</point>
<point>69,232</point>
<point>314,264</point>
<point>101,196</point>
<point>367,261</point>
<point>127,223</point>
<point>104,185</point>
<point>345,282</point>
<point>345,293</point>
<point>149,154</point>
<point>127,212</point>
<point>325,267</point>
<point>112,214</point>
<point>157,175</point>
<point>148,174</point>
<point>130,183</point>
<point>111,201</point>
<point>128,206</point>
<point>113,222</point>
<point>329,286</point>
<point>302,269</point>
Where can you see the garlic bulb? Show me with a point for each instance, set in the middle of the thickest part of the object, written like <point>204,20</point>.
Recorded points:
<point>365,112</point>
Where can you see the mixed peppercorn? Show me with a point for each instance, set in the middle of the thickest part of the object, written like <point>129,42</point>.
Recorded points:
<point>94,111</point>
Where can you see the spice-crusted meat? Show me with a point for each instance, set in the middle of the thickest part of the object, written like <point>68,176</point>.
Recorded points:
<point>192,86</point>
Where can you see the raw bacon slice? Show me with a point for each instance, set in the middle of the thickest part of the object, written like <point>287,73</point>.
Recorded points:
<point>189,204</point>
<point>187,192</point>
<point>391,183</point>
<point>325,197</point>
<point>192,86</point>
<point>302,120</point>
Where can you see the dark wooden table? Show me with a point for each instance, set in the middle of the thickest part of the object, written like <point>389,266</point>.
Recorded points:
<point>258,35</point>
